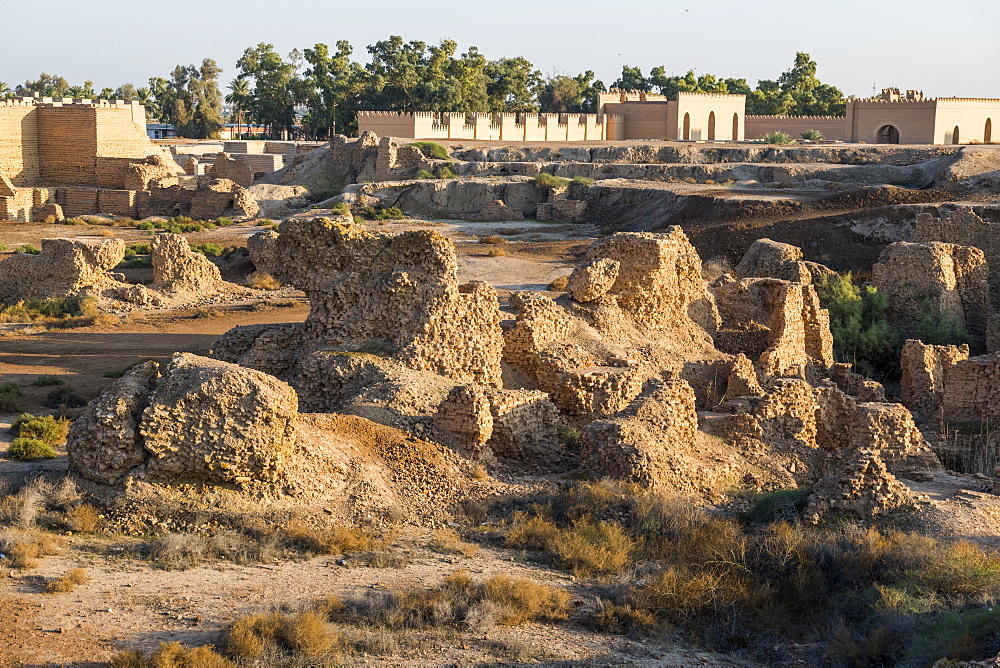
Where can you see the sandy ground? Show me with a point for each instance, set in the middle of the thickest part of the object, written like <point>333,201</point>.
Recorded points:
<point>129,604</point>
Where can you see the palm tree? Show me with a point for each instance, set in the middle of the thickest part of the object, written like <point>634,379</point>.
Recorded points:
<point>239,98</point>
<point>4,88</point>
<point>144,96</point>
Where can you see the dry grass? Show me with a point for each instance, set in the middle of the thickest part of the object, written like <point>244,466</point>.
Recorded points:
<point>335,540</point>
<point>715,267</point>
<point>305,634</point>
<point>493,239</point>
<point>68,582</point>
<point>447,541</point>
<point>559,284</point>
<point>172,655</point>
<point>497,252</point>
<point>207,312</point>
<point>22,549</point>
<point>458,601</point>
<point>83,518</point>
<point>261,281</point>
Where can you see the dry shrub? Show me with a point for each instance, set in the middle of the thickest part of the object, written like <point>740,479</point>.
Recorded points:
<point>106,233</point>
<point>172,655</point>
<point>559,284</point>
<point>479,472</point>
<point>179,550</point>
<point>68,582</point>
<point>497,252</point>
<point>521,600</point>
<point>335,540</point>
<point>715,267</point>
<point>207,312</point>
<point>305,634</point>
<point>447,541</point>
<point>493,239</point>
<point>83,518</point>
<point>593,548</point>
<point>262,281</point>
<point>22,549</point>
<point>458,600</point>
<point>623,619</point>
<point>376,641</point>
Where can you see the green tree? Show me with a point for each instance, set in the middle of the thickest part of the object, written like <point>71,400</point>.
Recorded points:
<point>561,93</point>
<point>47,85</point>
<point>274,87</point>
<point>126,92</point>
<point>239,98</point>
<point>938,328</point>
<point>631,79</point>
<point>512,85</point>
<point>861,333</point>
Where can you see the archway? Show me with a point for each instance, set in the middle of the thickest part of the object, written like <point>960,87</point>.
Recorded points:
<point>736,127</point>
<point>988,131</point>
<point>954,135</point>
<point>687,127</point>
<point>711,126</point>
<point>888,134</point>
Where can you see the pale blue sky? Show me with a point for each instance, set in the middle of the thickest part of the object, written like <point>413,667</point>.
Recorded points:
<point>945,48</point>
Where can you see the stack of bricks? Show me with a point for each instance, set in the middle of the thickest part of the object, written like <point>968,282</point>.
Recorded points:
<point>644,443</point>
<point>864,489</point>
<point>513,425</point>
<point>243,147</point>
<point>596,390</point>
<point>972,390</point>
<point>922,386</point>
<point>260,162</point>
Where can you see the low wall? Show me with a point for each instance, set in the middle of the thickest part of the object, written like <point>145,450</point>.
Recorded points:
<point>832,127</point>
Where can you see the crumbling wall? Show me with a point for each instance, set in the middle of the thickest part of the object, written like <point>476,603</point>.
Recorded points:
<point>865,488</point>
<point>657,283</point>
<point>644,443</point>
<point>953,279</point>
<point>177,268</point>
<point>922,386</point>
<point>273,349</point>
<point>198,197</point>
<point>65,267</point>
<point>519,425</point>
<point>962,226</point>
<point>202,419</point>
<point>771,259</point>
<point>779,324</point>
<point>238,172</point>
<point>399,293</point>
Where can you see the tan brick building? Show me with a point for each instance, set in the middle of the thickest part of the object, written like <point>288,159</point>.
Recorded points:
<point>891,118</point>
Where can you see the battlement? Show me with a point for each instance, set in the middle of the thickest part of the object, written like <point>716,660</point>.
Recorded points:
<point>490,125</point>
<point>782,117</point>
<point>693,95</point>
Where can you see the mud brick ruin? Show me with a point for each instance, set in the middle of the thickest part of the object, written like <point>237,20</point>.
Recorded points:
<point>93,156</point>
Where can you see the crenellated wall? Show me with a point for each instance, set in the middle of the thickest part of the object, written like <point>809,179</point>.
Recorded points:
<point>499,127</point>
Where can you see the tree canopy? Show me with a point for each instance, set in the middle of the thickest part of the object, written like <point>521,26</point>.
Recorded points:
<point>320,89</point>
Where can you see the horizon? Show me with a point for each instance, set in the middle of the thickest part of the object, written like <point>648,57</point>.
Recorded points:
<point>962,67</point>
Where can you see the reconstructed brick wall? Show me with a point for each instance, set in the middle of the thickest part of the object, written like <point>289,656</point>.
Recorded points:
<point>922,386</point>
<point>19,146</point>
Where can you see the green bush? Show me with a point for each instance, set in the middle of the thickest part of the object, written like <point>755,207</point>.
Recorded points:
<point>546,180</point>
<point>3,247</point>
<point>861,333</point>
<point>208,249</point>
<point>445,172</point>
<point>31,249</point>
<point>145,225</point>
<point>9,394</point>
<point>432,150</point>
<point>382,213</point>
<point>782,505</point>
<point>44,428</point>
<point>222,221</point>
<point>777,137</point>
<point>812,135</point>
<point>181,220</point>
<point>74,221</point>
<point>424,174</point>
<point>192,227</point>
<point>139,249</point>
<point>939,329</point>
<point>583,180</point>
<point>64,396</point>
<point>30,448</point>
<point>340,209</point>
<point>46,380</point>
